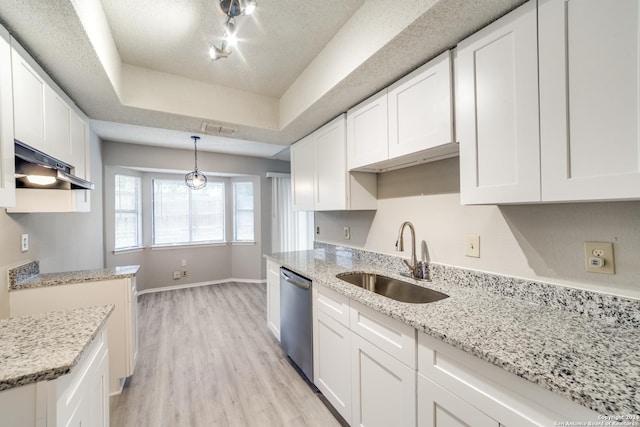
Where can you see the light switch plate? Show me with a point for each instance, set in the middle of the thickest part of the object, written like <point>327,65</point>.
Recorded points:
<point>24,243</point>
<point>472,246</point>
<point>599,250</point>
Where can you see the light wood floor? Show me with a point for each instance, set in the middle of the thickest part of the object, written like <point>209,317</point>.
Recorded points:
<point>206,358</point>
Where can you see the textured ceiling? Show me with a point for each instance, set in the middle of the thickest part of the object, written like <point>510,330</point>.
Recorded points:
<point>276,43</point>
<point>311,59</point>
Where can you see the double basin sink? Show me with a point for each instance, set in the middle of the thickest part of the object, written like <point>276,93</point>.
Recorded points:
<point>389,287</point>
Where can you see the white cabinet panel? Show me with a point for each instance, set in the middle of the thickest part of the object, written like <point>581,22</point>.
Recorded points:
<point>132,323</point>
<point>331,166</point>
<point>303,174</point>
<point>368,132</point>
<point>421,109</point>
<point>497,111</point>
<point>384,389</point>
<point>391,335</point>
<point>273,298</point>
<point>331,360</point>
<point>589,99</point>
<point>28,104</point>
<point>57,134</point>
<point>438,407</point>
<point>7,154</point>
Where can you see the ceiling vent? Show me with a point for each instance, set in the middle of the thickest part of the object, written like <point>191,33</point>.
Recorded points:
<point>216,129</point>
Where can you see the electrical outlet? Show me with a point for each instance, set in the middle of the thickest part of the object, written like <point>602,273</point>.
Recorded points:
<point>318,230</point>
<point>24,243</point>
<point>347,233</point>
<point>598,257</point>
<point>176,274</point>
<point>472,246</point>
<point>184,273</point>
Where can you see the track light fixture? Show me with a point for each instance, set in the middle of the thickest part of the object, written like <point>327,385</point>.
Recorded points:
<point>232,9</point>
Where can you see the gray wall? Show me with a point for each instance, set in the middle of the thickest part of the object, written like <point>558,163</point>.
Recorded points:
<point>60,241</point>
<point>204,263</point>
<point>542,242</point>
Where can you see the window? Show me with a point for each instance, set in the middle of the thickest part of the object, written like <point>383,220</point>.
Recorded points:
<point>183,216</point>
<point>243,212</point>
<point>127,211</point>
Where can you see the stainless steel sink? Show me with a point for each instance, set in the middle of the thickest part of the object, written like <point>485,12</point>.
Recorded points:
<point>392,288</point>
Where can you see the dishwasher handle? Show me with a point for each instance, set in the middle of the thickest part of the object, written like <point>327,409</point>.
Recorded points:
<point>293,281</point>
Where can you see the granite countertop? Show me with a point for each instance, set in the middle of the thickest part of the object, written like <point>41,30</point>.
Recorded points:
<point>44,346</point>
<point>28,276</point>
<point>591,361</point>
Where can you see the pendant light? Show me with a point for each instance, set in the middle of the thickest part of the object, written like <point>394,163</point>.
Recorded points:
<point>195,180</point>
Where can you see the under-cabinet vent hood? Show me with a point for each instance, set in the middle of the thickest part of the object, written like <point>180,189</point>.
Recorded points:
<point>34,169</point>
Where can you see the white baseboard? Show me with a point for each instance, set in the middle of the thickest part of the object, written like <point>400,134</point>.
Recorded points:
<point>195,285</point>
<point>120,387</point>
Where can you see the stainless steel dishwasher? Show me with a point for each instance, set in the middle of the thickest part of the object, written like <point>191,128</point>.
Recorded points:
<point>296,334</point>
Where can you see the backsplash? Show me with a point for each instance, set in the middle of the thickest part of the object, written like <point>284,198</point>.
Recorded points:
<point>23,272</point>
<point>608,308</point>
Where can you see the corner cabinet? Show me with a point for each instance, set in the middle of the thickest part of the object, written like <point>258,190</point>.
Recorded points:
<point>320,180</point>
<point>538,118</point>
<point>7,154</point>
<point>122,325</point>
<point>410,122</point>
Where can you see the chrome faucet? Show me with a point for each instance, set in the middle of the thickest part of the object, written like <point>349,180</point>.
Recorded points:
<point>413,266</point>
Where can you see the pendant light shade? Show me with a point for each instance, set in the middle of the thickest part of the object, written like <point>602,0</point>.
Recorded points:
<point>196,179</point>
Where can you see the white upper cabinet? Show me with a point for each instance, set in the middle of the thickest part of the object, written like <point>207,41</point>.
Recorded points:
<point>411,122</point>
<point>320,179</point>
<point>368,132</point>
<point>497,111</point>
<point>57,134</point>
<point>331,165</point>
<point>421,109</point>
<point>302,174</point>
<point>7,169</point>
<point>589,96</point>
<point>28,104</point>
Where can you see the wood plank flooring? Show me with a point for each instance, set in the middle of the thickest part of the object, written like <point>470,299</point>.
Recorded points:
<point>206,358</point>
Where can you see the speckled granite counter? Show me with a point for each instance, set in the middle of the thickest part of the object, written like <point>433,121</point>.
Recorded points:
<point>585,350</point>
<point>44,346</point>
<point>28,276</point>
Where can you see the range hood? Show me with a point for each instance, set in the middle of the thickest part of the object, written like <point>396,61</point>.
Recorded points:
<point>35,169</point>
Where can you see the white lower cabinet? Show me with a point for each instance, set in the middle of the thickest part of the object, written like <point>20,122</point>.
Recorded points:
<point>79,398</point>
<point>122,324</point>
<point>437,407</point>
<point>273,298</point>
<point>332,349</point>
<point>384,389</point>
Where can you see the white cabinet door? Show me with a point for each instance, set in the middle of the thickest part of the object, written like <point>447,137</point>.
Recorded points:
<point>7,154</point>
<point>331,166</point>
<point>57,134</point>
<point>421,109</point>
<point>80,160</point>
<point>273,298</point>
<point>589,99</point>
<point>28,103</point>
<point>368,132</point>
<point>497,111</point>
<point>383,388</point>
<point>303,174</point>
<point>331,362</point>
<point>437,407</point>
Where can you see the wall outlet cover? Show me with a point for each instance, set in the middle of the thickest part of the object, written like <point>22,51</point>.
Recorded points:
<point>176,274</point>
<point>24,243</point>
<point>347,233</point>
<point>598,257</point>
<point>472,246</point>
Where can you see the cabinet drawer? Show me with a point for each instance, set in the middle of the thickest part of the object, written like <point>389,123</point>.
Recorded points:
<point>394,337</point>
<point>332,304</point>
<point>503,396</point>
